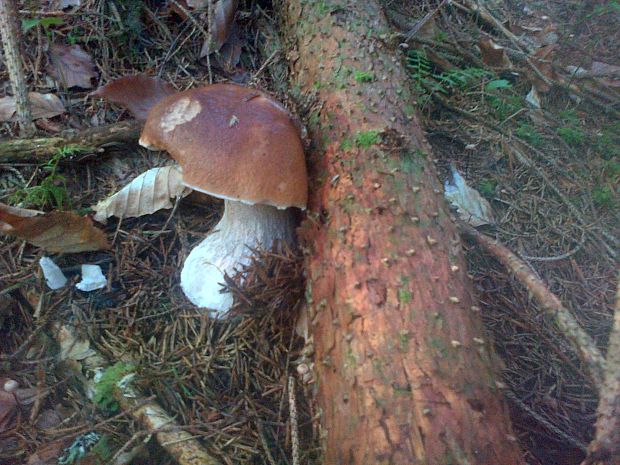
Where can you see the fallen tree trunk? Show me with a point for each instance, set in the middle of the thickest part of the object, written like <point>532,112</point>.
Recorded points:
<point>91,139</point>
<point>405,374</point>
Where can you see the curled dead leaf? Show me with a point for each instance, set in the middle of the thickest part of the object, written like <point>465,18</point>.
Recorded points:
<point>41,106</point>
<point>149,192</point>
<point>71,66</point>
<point>135,93</point>
<point>220,26</point>
<point>493,54</point>
<point>543,60</point>
<point>8,410</point>
<point>62,232</point>
<point>71,346</point>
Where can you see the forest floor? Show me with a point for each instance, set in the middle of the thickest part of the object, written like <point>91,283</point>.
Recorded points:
<point>521,99</point>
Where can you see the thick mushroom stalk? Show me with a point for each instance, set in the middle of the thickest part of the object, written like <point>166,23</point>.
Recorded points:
<point>229,247</point>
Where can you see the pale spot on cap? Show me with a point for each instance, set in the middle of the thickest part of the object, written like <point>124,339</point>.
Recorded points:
<point>180,112</point>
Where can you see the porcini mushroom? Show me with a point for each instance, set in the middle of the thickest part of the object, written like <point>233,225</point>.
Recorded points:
<point>239,145</point>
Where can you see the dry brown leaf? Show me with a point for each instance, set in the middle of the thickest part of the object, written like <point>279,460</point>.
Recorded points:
<point>62,232</point>
<point>230,52</point>
<point>135,93</point>
<point>493,54</point>
<point>8,410</point>
<point>72,348</point>
<point>220,26</point>
<point>41,106</point>
<point>606,74</point>
<point>48,453</point>
<point>542,59</point>
<point>49,418</point>
<point>600,69</point>
<point>149,192</point>
<point>71,66</point>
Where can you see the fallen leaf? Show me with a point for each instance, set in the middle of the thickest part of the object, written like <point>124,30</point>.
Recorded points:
<point>470,205</point>
<point>45,105</point>
<point>41,106</point>
<point>71,66</point>
<point>606,74</point>
<point>27,396</point>
<point>62,232</point>
<point>493,54</point>
<point>146,194</point>
<point>604,69</point>
<point>135,93</point>
<point>8,411</point>
<point>230,52</point>
<point>49,126</point>
<point>48,453</point>
<point>48,418</point>
<point>72,348</point>
<point>220,26</point>
<point>542,59</point>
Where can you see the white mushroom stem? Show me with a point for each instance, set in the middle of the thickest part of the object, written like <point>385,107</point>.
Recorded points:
<point>228,248</point>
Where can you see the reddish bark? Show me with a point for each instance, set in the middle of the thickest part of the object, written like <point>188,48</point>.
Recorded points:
<point>404,370</point>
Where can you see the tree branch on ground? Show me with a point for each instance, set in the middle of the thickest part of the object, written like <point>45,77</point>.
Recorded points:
<point>180,444</point>
<point>549,302</point>
<point>605,448</point>
<point>88,140</point>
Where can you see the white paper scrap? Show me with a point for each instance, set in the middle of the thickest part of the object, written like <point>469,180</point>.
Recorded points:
<point>92,278</point>
<point>471,206</point>
<point>54,277</point>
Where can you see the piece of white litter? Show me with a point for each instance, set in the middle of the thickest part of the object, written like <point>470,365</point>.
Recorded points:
<point>470,205</point>
<point>92,278</point>
<point>533,98</point>
<point>54,277</point>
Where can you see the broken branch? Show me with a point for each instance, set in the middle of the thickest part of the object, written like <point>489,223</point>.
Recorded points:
<point>549,302</point>
<point>180,444</point>
<point>40,149</point>
<point>605,448</point>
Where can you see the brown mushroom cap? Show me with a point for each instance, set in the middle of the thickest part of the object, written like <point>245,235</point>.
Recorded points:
<point>232,142</point>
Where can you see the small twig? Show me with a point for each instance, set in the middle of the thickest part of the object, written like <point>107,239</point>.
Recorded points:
<point>556,258</point>
<point>549,302</point>
<point>129,443</point>
<point>8,32</point>
<point>292,404</point>
<point>544,422</point>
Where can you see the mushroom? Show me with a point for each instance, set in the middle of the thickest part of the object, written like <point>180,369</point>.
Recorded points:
<point>239,145</point>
